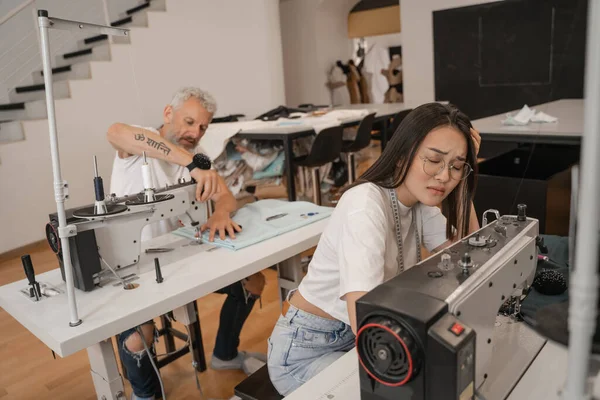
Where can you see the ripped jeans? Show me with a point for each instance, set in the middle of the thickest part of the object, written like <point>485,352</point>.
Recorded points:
<point>138,368</point>
<point>235,311</point>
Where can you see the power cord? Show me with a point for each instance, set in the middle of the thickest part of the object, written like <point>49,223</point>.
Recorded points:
<point>188,343</point>
<point>194,363</point>
<point>162,388</point>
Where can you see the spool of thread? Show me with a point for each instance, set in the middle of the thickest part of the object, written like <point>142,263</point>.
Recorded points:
<point>146,176</point>
<point>99,188</point>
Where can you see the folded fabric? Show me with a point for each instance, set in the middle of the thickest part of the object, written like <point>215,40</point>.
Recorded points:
<point>263,220</point>
<point>526,115</point>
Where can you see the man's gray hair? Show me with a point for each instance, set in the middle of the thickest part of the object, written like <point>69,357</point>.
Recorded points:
<point>205,98</point>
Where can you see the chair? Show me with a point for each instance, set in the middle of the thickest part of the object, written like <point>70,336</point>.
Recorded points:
<point>325,149</point>
<point>257,386</point>
<point>362,140</point>
<point>398,118</point>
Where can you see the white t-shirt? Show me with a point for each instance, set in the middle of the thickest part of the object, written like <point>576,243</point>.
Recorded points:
<point>357,250</point>
<point>126,179</point>
<point>341,96</point>
<point>375,60</point>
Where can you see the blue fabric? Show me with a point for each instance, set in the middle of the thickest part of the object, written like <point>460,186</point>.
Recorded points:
<point>256,228</point>
<point>272,170</point>
<point>232,153</point>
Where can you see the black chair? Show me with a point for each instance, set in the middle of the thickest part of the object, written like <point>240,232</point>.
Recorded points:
<point>362,140</point>
<point>325,149</point>
<point>398,118</point>
<point>257,386</point>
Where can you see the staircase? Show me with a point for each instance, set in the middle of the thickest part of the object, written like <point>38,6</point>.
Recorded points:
<point>28,102</point>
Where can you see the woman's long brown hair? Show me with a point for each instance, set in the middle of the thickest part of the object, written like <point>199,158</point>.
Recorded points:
<point>391,168</point>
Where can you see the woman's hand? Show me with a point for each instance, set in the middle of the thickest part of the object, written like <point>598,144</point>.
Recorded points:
<point>476,140</point>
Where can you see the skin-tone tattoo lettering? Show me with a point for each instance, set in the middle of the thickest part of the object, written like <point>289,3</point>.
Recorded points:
<point>159,146</point>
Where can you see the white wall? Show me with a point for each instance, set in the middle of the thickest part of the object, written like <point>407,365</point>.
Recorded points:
<point>416,20</point>
<point>20,47</point>
<point>385,41</point>
<point>229,47</point>
<point>314,36</point>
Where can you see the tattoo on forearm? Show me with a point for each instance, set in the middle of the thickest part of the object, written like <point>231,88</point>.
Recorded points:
<point>159,146</point>
<point>140,137</point>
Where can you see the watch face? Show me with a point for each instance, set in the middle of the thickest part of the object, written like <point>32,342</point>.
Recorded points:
<point>202,161</point>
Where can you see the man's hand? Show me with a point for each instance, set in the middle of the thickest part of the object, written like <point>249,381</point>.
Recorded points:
<point>220,222</point>
<point>476,140</point>
<point>254,283</point>
<point>207,183</point>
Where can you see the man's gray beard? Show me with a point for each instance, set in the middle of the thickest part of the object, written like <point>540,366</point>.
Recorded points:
<point>170,136</point>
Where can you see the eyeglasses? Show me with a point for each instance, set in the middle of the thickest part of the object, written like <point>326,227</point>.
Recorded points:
<point>458,170</point>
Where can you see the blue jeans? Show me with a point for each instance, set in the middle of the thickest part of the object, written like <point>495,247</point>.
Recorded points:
<point>235,311</point>
<point>302,345</point>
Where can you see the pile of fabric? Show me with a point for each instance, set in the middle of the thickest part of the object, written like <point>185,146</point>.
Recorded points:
<point>256,168</point>
<point>244,165</point>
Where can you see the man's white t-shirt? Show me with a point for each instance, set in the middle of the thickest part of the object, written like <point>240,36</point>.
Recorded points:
<point>126,179</point>
<point>357,250</point>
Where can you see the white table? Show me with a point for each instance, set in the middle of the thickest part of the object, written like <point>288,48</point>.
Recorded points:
<point>288,133</point>
<point>189,272</point>
<point>515,345</point>
<point>567,130</point>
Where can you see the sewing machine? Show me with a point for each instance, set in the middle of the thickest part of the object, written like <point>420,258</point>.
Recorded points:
<point>109,231</point>
<point>429,332</point>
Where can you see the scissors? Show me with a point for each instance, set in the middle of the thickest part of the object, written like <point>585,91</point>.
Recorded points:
<point>159,250</point>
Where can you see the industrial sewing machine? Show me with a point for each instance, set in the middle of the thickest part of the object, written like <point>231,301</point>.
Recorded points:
<point>109,231</point>
<point>428,333</point>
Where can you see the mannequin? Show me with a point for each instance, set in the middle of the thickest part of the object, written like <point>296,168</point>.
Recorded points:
<point>393,74</point>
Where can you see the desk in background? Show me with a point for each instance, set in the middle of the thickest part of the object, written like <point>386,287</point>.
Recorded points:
<point>566,131</point>
<point>545,151</point>
<point>287,134</point>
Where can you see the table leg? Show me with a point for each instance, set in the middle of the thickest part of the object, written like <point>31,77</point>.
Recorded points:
<point>196,333</point>
<point>289,166</point>
<point>188,315</point>
<point>289,276</point>
<point>105,373</point>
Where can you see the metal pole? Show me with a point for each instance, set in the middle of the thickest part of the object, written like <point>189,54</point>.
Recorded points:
<point>59,185</point>
<point>584,282</point>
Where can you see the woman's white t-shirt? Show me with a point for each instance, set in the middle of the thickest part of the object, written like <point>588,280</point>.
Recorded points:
<point>357,250</point>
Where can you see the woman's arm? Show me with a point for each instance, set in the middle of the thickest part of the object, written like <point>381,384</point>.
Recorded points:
<point>351,299</point>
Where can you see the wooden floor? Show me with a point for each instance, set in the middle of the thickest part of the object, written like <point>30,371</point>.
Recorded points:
<point>28,370</point>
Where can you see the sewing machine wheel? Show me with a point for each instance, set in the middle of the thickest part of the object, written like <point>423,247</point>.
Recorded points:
<point>139,200</point>
<point>53,238</point>
<point>90,212</point>
<point>388,352</point>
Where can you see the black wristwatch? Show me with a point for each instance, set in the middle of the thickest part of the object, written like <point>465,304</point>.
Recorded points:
<point>199,161</point>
